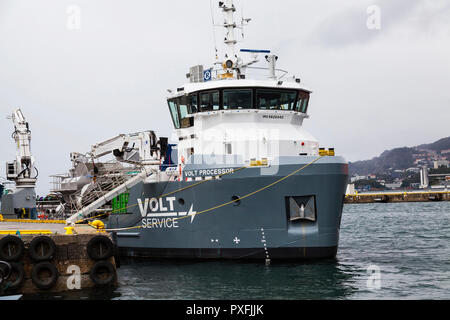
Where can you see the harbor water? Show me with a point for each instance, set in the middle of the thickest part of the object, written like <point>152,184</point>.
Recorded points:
<point>387,251</point>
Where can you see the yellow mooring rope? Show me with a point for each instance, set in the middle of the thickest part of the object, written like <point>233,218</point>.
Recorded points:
<point>229,202</point>
<point>160,196</point>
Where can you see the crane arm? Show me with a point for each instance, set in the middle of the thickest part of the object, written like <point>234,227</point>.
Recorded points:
<point>136,147</point>
<point>103,148</point>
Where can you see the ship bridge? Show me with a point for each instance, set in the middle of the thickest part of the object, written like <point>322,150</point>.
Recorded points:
<point>253,119</point>
<point>235,95</point>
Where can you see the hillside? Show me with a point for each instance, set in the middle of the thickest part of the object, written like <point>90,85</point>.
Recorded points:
<point>438,146</point>
<point>402,158</point>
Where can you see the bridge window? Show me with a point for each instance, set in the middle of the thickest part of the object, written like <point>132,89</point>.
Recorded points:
<point>302,102</point>
<point>210,101</point>
<point>180,110</point>
<point>237,99</point>
<point>174,113</point>
<point>183,107</point>
<point>193,103</point>
<point>275,99</point>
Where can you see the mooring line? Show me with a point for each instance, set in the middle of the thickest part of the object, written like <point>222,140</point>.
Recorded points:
<point>226,203</point>
<point>162,195</point>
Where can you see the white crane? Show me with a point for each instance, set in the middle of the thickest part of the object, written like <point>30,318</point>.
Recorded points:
<point>22,171</point>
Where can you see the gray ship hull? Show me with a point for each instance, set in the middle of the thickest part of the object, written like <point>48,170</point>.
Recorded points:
<point>296,218</point>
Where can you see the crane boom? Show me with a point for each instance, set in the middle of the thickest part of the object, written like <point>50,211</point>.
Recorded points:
<point>141,147</point>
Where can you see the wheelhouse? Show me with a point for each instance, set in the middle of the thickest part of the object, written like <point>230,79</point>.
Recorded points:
<point>184,107</point>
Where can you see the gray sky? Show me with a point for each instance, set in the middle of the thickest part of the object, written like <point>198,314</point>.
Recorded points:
<point>373,89</point>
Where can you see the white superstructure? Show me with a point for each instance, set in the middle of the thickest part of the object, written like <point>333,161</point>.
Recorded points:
<point>222,112</point>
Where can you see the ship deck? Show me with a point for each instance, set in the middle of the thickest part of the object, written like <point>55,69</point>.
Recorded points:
<point>46,228</point>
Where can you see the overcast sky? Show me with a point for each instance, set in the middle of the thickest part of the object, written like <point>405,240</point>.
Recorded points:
<point>83,71</point>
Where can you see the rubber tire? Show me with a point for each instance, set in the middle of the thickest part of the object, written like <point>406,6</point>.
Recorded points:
<point>103,241</point>
<point>39,283</point>
<point>5,270</point>
<point>16,267</point>
<point>99,281</point>
<point>15,241</point>
<point>34,252</point>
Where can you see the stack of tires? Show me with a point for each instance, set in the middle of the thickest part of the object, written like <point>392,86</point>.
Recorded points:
<point>41,251</point>
<point>41,262</point>
<point>12,251</point>
<point>44,274</point>
<point>101,249</point>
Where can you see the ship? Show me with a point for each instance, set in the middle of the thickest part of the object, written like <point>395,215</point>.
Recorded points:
<point>242,180</point>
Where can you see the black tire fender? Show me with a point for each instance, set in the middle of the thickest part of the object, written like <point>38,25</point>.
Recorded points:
<point>42,248</point>
<point>101,268</point>
<point>5,270</point>
<point>44,283</point>
<point>16,268</point>
<point>11,248</point>
<point>100,248</point>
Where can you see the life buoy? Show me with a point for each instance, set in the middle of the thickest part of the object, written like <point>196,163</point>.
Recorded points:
<point>44,275</point>
<point>11,248</point>
<point>102,273</point>
<point>42,248</point>
<point>100,248</point>
<point>16,276</point>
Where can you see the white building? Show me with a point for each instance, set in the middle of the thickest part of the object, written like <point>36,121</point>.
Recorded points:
<point>357,178</point>
<point>394,185</point>
<point>440,163</point>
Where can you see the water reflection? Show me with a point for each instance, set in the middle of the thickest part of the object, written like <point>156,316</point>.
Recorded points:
<point>107,293</point>
<point>163,280</point>
<point>409,243</point>
<point>234,281</point>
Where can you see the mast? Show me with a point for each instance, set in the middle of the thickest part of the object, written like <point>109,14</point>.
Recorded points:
<point>230,39</point>
<point>232,61</point>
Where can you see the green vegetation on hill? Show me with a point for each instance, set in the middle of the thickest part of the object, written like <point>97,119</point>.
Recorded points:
<point>400,158</point>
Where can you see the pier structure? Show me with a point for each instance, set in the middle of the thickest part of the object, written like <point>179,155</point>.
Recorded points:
<point>53,257</point>
<point>399,196</point>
